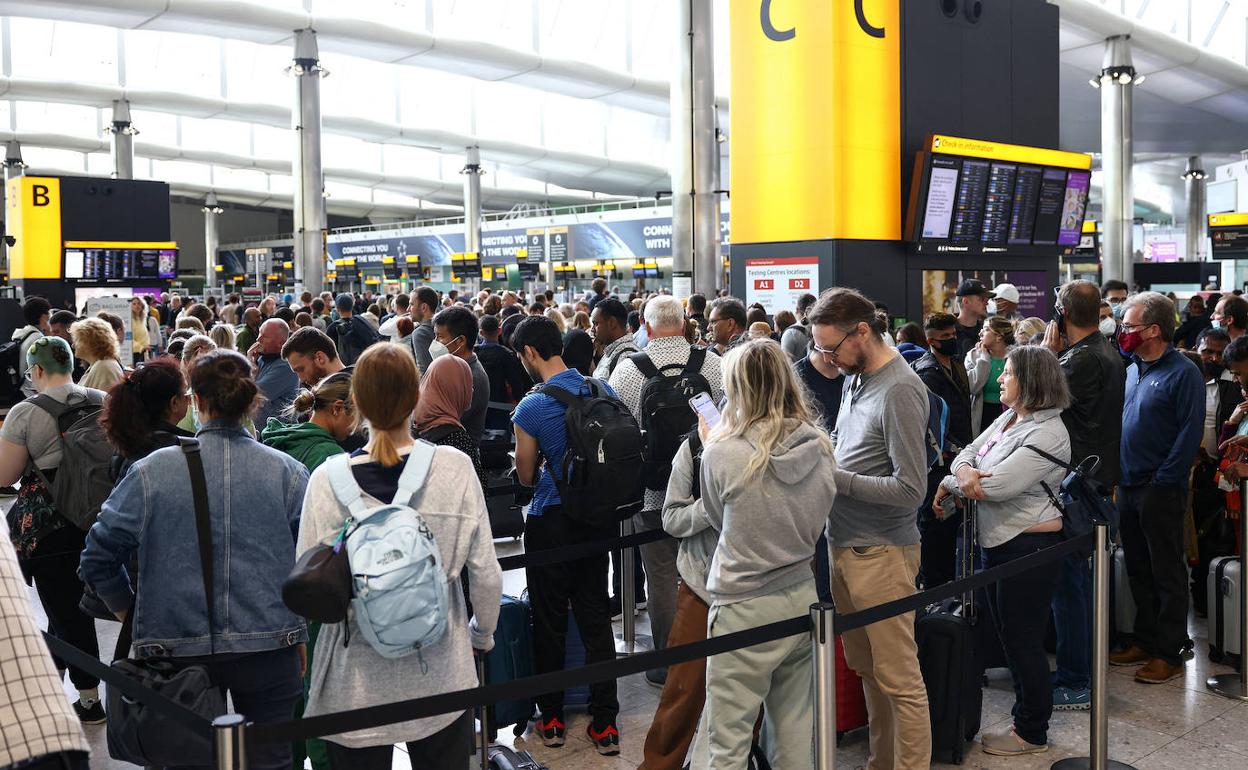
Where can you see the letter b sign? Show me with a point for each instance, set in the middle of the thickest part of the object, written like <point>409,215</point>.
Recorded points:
<point>39,195</point>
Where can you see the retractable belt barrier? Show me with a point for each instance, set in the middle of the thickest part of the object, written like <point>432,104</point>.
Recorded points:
<point>529,687</point>
<point>580,550</point>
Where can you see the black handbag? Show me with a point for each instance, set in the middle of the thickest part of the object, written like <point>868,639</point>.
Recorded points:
<point>137,733</point>
<point>319,586</point>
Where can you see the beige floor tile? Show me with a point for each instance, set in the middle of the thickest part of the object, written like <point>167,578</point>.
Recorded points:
<point>1228,731</point>
<point>1184,754</point>
<point>1171,710</point>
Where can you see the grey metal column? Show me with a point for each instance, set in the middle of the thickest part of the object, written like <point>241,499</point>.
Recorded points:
<point>13,167</point>
<point>823,643</point>
<point>695,204</point>
<point>309,178</point>
<point>472,199</point>
<point>1116,80</point>
<point>123,140</point>
<point>211,211</point>
<point>1197,209</point>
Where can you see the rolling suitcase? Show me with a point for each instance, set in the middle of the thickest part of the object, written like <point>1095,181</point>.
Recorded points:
<point>503,758</point>
<point>1121,600</point>
<point>1224,583</point>
<point>851,701</point>
<point>511,658</point>
<point>952,669</point>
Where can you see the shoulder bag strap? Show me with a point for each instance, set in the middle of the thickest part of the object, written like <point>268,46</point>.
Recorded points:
<point>343,482</point>
<point>415,471</point>
<point>203,526</point>
<point>642,361</point>
<point>559,394</point>
<point>697,357</point>
<point>1051,458</point>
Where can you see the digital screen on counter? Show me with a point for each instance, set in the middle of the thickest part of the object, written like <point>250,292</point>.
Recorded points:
<point>105,265</point>
<point>997,201</point>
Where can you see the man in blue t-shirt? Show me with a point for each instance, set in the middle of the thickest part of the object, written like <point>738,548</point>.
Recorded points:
<point>541,439</point>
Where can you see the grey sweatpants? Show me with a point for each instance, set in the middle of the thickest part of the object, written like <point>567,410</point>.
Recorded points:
<point>776,675</point>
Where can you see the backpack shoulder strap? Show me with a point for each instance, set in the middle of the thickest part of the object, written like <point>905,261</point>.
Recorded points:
<point>51,406</point>
<point>559,394</point>
<point>697,357</point>
<point>343,482</point>
<point>203,525</point>
<point>415,471</point>
<point>642,361</point>
<point>1050,458</point>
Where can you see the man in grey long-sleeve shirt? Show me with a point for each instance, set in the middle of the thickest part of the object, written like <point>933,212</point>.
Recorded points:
<point>425,305</point>
<point>881,479</point>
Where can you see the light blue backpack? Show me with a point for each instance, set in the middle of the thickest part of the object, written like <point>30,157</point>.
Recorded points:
<point>398,581</point>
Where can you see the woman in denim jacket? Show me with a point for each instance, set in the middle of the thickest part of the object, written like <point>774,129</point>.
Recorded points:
<point>255,494</point>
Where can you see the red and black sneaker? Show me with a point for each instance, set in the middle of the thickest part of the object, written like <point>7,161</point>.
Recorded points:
<point>606,740</point>
<point>553,732</point>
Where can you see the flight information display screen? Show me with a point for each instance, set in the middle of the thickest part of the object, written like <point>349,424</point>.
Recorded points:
<point>119,265</point>
<point>983,197</point>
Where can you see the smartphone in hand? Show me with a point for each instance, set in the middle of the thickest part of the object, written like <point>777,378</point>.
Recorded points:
<point>703,405</point>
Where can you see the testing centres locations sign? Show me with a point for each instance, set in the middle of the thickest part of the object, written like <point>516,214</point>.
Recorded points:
<point>776,283</point>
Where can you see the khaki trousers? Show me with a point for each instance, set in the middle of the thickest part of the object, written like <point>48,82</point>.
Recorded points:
<point>884,653</point>
<point>680,704</point>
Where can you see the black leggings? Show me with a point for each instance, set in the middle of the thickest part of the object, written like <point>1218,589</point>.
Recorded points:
<point>448,749</point>
<point>54,570</point>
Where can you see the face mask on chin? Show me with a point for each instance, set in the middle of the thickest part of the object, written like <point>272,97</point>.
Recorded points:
<point>1218,325</point>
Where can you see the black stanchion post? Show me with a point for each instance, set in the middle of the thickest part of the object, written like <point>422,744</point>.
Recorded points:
<point>1235,685</point>
<point>1098,758</point>
<point>823,642</point>
<point>484,713</point>
<point>227,733</point>
<point>628,592</point>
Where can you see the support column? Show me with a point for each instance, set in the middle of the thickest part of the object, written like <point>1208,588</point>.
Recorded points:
<point>123,140</point>
<point>695,204</point>
<point>211,211</point>
<point>1116,80</point>
<point>309,180</point>
<point>472,199</point>
<point>1197,210</point>
<point>13,167</point>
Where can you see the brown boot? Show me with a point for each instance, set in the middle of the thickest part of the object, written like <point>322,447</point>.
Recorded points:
<point>1158,671</point>
<point>1132,656</point>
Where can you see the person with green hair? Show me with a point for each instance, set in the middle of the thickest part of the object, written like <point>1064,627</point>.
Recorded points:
<point>47,544</point>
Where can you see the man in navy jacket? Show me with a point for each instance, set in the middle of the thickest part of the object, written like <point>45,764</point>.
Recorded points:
<point>1162,422</point>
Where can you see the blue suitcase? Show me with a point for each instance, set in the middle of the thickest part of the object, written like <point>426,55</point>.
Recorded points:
<point>574,657</point>
<point>511,658</point>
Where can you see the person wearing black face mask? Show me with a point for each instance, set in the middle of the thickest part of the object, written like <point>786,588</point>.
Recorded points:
<point>942,372</point>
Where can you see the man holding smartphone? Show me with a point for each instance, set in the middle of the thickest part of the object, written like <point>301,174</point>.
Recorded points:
<point>669,352</point>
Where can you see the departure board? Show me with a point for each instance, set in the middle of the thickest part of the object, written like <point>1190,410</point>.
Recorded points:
<point>1228,233</point>
<point>977,197</point>
<point>998,204</point>
<point>119,265</point>
<point>968,212</point>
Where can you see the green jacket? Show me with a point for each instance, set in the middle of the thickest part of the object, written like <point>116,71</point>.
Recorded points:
<point>244,338</point>
<point>307,442</point>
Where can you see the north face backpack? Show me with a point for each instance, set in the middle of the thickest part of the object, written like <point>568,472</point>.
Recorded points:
<point>599,478</point>
<point>666,416</point>
<point>84,479</point>
<point>397,573</point>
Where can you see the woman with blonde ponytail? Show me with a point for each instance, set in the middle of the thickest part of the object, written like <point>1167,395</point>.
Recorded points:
<point>767,488</point>
<point>385,391</point>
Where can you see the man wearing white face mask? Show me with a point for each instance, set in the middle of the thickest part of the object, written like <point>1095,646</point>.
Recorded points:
<point>1231,316</point>
<point>1097,379</point>
<point>455,333</point>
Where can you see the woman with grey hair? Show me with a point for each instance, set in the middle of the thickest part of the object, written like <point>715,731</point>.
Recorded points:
<point>1017,516</point>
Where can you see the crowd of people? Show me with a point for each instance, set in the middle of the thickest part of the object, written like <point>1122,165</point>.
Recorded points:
<point>809,478</point>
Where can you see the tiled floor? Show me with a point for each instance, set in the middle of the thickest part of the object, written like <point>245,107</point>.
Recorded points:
<point>1178,725</point>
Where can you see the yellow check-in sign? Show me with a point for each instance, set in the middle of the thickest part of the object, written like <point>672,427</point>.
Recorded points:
<point>816,120</point>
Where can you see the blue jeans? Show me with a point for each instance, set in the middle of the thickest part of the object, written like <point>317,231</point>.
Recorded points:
<point>1072,617</point>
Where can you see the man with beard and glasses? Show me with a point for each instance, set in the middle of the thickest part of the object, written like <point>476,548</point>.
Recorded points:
<point>881,480</point>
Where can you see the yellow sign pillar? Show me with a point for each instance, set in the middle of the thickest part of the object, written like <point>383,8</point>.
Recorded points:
<point>34,221</point>
<point>815,120</point>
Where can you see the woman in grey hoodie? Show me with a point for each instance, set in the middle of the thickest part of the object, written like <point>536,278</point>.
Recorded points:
<point>767,487</point>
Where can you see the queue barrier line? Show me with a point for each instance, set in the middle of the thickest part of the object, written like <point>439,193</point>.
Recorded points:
<point>530,687</point>
<point>129,687</point>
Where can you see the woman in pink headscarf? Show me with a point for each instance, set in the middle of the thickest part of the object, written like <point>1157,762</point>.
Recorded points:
<point>445,394</point>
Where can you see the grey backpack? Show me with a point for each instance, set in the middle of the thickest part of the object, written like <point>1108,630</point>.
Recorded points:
<point>84,478</point>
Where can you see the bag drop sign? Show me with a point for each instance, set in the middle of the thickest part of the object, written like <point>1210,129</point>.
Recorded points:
<point>777,283</point>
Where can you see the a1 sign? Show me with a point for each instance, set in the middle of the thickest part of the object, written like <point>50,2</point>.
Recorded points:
<point>799,284</point>
<point>764,284</point>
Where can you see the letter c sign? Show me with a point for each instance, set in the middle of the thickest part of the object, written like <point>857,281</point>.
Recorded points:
<point>781,35</point>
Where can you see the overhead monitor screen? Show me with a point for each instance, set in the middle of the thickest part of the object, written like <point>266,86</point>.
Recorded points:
<point>977,197</point>
<point>101,264</point>
<point>1228,233</point>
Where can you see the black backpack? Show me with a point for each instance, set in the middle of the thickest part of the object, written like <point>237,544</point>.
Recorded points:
<point>666,416</point>
<point>84,479</point>
<point>11,378</point>
<point>599,478</point>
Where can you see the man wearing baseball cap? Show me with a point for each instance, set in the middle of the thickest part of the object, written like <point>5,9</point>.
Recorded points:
<point>1005,302</point>
<point>973,299</point>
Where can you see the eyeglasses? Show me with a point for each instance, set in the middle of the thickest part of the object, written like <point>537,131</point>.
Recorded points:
<point>827,354</point>
<point>1132,327</point>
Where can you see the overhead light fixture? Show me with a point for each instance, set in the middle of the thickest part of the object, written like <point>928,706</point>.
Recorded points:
<point>303,67</point>
<point>1195,173</point>
<point>1094,82</point>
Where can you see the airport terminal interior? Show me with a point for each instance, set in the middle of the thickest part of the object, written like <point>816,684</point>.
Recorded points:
<point>924,152</point>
